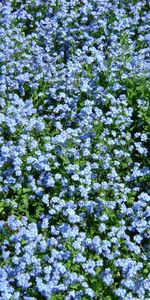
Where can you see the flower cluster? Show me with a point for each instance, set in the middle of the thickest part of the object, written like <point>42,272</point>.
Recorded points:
<point>74,160</point>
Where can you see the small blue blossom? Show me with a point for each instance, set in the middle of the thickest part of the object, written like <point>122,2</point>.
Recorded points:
<point>107,277</point>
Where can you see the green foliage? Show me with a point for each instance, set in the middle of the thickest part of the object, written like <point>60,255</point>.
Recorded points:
<point>56,297</point>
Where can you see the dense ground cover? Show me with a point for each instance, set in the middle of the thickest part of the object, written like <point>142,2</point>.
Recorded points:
<point>74,157</point>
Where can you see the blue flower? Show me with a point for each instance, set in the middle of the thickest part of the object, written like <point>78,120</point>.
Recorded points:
<point>107,277</point>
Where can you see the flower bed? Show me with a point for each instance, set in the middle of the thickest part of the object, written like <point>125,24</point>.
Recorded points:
<point>74,155</point>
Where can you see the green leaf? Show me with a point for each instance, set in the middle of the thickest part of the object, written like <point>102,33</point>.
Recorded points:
<point>146,271</point>
<point>26,190</point>
<point>1,207</point>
